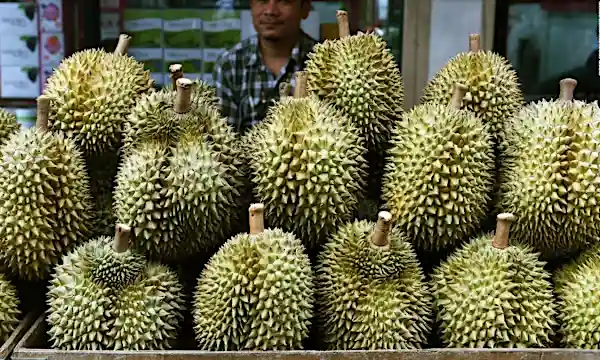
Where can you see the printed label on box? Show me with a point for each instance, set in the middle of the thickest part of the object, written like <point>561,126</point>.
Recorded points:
<point>182,28</point>
<point>18,19</point>
<point>53,48</point>
<point>145,28</point>
<point>50,15</point>
<point>19,50</point>
<point>19,82</point>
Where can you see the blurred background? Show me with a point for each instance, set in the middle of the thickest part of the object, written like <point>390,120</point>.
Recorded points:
<point>545,40</point>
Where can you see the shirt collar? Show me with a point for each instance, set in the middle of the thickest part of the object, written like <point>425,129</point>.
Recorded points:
<point>302,46</point>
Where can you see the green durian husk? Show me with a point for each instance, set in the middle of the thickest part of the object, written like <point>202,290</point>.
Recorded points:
<point>45,202</point>
<point>486,297</point>
<point>549,176</point>
<point>369,297</point>
<point>307,166</point>
<point>255,293</point>
<point>439,175</point>
<point>576,286</point>
<point>8,126</point>
<point>93,92</point>
<point>10,308</point>
<point>140,309</point>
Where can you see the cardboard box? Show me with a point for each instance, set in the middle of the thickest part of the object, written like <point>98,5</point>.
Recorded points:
<point>182,29</point>
<point>19,82</point>
<point>19,50</point>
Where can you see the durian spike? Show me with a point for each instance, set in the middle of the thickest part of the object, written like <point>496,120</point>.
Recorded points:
<point>567,87</point>
<point>123,44</point>
<point>343,26</point>
<point>500,240</point>
<point>284,89</point>
<point>257,218</point>
<point>183,99</point>
<point>43,111</point>
<point>474,42</point>
<point>301,84</point>
<point>176,71</point>
<point>122,234</point>
<point>458,93</point>
<point>379,237</point>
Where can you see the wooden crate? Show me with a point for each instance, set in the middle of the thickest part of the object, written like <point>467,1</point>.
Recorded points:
<point>33,347</point>
<point>7,348</point>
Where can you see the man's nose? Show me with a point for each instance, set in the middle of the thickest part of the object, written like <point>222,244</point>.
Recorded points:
<point>272,7</point>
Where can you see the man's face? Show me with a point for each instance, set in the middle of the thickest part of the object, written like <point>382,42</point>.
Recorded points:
<point>278,19</point>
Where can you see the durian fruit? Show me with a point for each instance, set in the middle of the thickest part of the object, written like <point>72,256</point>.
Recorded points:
<point>103,296</point>
<point>371,291</point>
<point>45,202</point>
<point>93,92</point>
<point>489,294</point>
<point>439,174</point>
<point>550,174</point>
<point>493,89</point>
<point>178,186</point>
<point>577,289</point>
<point>8,125</point>
<point>358,75</point>
<point>10,311</point>
<point>256,292</point>
<point>203,91</point>
<point>307,165</point>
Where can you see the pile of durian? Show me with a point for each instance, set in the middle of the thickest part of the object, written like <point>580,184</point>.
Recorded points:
<point>340,222</point>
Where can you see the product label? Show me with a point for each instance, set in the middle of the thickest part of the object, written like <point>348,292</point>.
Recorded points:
<point>182,24</point>
<point>222,25</point>
<point>19,82</point>
<point>19,50</point>
<point>18,19</point>
<point>50,15</point>
<point>183,54</point>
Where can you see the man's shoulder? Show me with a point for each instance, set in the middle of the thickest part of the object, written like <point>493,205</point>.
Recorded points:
<point>239,50</point>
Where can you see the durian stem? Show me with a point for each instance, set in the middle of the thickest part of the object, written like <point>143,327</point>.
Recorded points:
<point>257,218</point>
<point>176,71</point>
<point>382,228</point>
<point>343,26</point>
<point>122,234</point>
<point>567,88</point>
<point>301,89</point>
<point>474,42</point>
<point>500,240</point>
<point>43,111</point>
<point>458,93</point>
<point>183,99</point>
<point>284,89</point>
<point>123,44</point>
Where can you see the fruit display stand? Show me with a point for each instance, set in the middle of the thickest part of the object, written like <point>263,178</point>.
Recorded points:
<point>7,348</point>
<point>33,345</point>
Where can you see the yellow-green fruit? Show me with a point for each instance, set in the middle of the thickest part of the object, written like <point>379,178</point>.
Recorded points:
<point>178,185</point>
<point>105,219</point>
<point>577,288</point>
<point>307,167</point>
<point>93,92</point>
<point>439,175</point>
<point>101,299</point>
<point>490,296</point>
<point>255,293</point>
<point>8,125</point>
<point>493,93</point>
<point>10,312</point>
<point>45,202</point>
<point>550,175</point>
<point>358,75</point>
<point>371,291</point>
<point>203,92</point>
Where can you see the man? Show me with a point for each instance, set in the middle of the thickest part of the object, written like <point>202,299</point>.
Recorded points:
<point>247,77</point>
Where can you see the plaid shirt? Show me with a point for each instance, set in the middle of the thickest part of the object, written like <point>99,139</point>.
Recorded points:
<point>246,87</point>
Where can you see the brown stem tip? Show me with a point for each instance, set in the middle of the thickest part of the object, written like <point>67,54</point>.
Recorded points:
<point>380,236</point>
<point>458,93</point>
<point>567,88</point>
<point>123,44</point>
<point>500,240</point>
<point>474,42</point>
<point>176,71</point>
<point>183,99</point>
<point>43,112</point>
<point>343,26</point>
<point>122,235</point>
<point>257,218</point>
<point>301,89</point>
